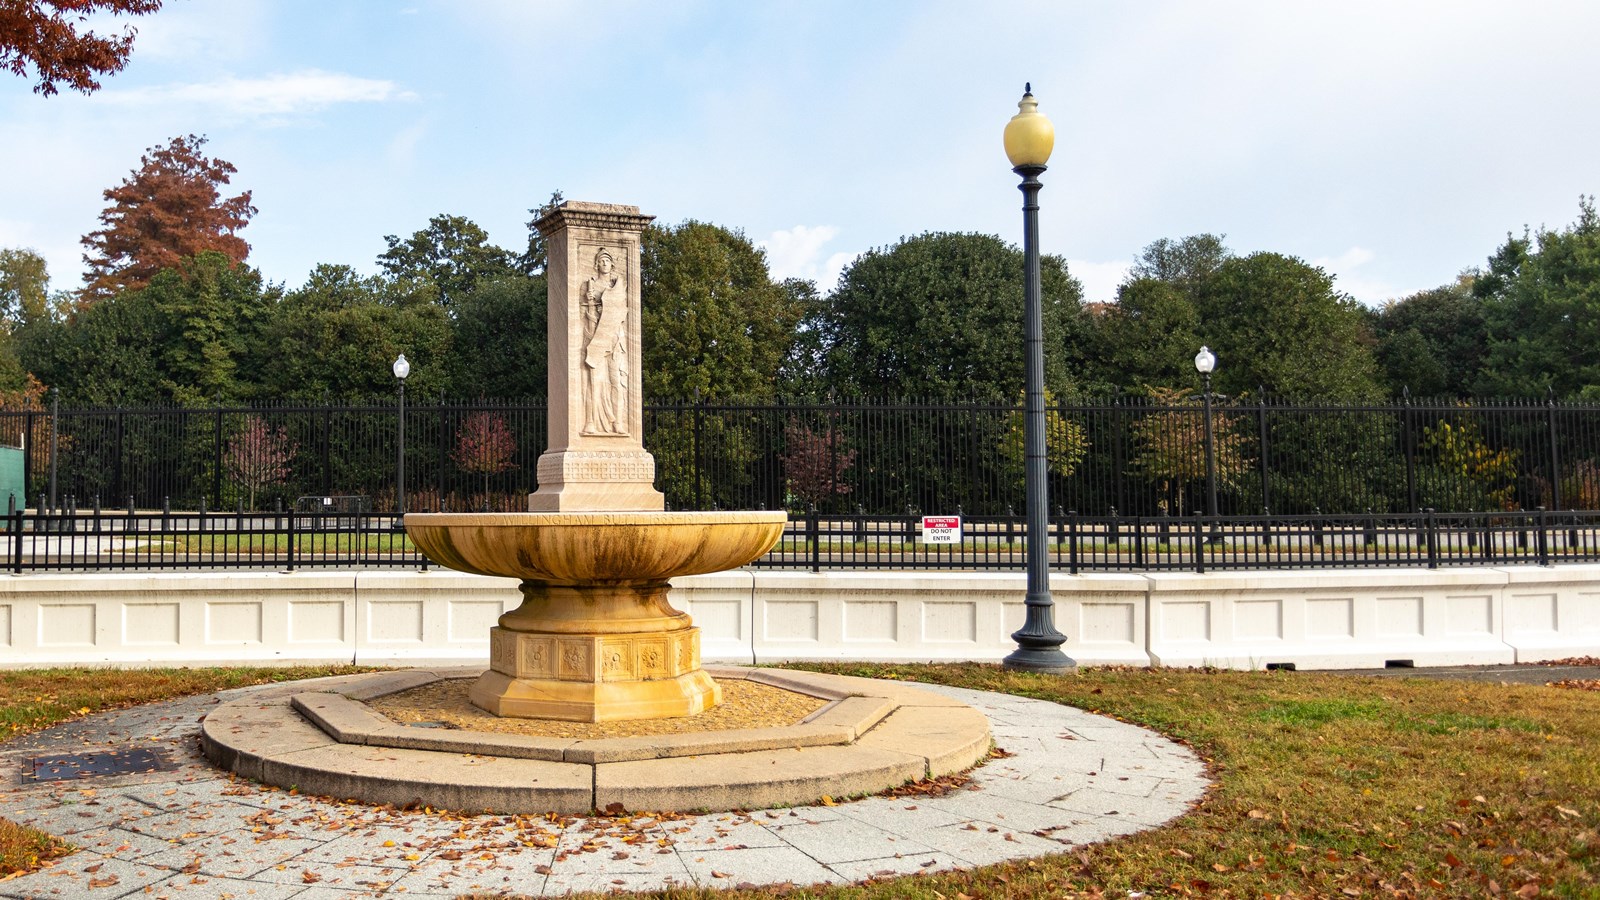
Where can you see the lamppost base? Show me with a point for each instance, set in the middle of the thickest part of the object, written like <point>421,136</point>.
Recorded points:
<point>1044,662</point>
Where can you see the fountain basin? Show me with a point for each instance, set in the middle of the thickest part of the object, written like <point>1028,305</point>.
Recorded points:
<point>595,639</point>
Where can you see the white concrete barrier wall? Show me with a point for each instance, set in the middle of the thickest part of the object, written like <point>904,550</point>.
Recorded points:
<point>1309,619</point>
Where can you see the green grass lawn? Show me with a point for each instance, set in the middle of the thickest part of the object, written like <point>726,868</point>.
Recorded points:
<point>1327,786</point>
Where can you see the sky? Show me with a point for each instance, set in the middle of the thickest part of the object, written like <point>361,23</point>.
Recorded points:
<point>1394,143</point>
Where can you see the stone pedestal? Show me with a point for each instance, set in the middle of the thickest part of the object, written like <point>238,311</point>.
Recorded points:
<point>595,653</point>
<point>596,460</point>
<point>595,677</point>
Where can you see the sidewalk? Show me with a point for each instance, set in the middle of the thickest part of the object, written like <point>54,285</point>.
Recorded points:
<point>190,831</point>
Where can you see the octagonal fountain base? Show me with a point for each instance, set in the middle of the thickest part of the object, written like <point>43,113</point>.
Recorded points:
<point>595,639</point>
<point>325,739</point>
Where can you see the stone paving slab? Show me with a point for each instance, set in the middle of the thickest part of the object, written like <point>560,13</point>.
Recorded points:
<point>238,839</point>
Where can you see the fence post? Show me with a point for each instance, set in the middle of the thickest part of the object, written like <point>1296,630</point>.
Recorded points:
<point>216,462</point>
<point>1072,542</point>
<point>1369,530</point>
<point>16,516</point>
<point>1113,530</point>
<point>1542,521</point>
<point>1555,452</point>
<point>1261,423</point>
<point>27,452</point>
<point>96,513</point>
<point>1266,527</point>
<point>1488,537</point>
<point>292,541</point>
<point>131,525</point>
<point>1199,538</point>
<point>861,524</point>
<point>1011,514</point>
<point>166,514</point>
<point>1317,526</point>
<point>1406,416</point>
<point>813,539</point>
<point>1432,537</point>
<point>1138,541</point>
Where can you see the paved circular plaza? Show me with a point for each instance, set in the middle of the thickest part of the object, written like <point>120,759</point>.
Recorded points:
<point>188,829</point>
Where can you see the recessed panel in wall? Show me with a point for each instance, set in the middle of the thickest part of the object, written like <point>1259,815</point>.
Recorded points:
<point>470,620</point>
<point>1583,616</point>
<point>791,620</point>
<point>1531,614</point>
<point>1398,617</point>
<point>718,620</point>
<point>1186,621</point>
<point>1331,617</point>
<point>944,623</point>
<point>233,623</point>
<point>5,625</point>
<point>1469,615</point>
<point>1105,623</point>
<point>316,622</point>
<point>1014,614</point>
<point>150,623</point>
<point>870,620</point>
<point>1258,620</point>
<point>398,622</point>
<point>70,625</point>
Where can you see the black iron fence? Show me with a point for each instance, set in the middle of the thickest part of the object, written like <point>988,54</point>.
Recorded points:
<point>1123,456</point>
<point>287,540</point>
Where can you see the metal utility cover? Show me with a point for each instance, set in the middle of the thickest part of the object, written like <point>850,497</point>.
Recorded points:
<point>70,767</point>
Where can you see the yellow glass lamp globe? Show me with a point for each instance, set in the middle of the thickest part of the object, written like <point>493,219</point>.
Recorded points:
<point>1029,135</point>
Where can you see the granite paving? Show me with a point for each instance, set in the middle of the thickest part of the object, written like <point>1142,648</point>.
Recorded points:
<point>1070,778</point>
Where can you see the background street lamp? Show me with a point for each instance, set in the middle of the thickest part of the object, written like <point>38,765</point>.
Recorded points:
<point>1029,138</point>
<point>1204,362</point>
<point>402,368</point>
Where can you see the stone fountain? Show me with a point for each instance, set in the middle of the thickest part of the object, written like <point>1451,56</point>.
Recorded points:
<point>595,638</point>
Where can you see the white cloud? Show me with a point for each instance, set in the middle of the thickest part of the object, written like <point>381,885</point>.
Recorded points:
<point>1100,279</point>
<point>797,253</point>
<point>273,96</point>
<point>1348,277</point>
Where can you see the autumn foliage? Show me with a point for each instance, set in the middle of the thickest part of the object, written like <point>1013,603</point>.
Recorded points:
<point>259,456</point>
<point>45,33</point>
<point>484,446</point>
<point>169,209</point>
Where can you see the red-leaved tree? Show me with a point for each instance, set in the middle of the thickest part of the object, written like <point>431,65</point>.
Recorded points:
<point>258,456</point>
<point>44,33</point>
<point>814,462</point>
<point>484,446</point>
<point>169,209</point>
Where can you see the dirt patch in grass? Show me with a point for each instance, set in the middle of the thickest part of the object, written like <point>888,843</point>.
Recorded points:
<point>745,704</point>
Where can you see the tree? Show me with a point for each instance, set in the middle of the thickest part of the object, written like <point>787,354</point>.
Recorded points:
<point>24,288</point>
<point>536,257</point>
<point>1185,263</point>
<point>1432,342</point>
<point>453,254</point>
<point>484,446</point>
<point>503,321</point>
<point>1541,299</point>
<point>168,209</point>
<point>258,456</point>
<point>1066,442</point>
<point>713,323</point>
<point>1276,322</point>
<point>337,336</point>
<point>1171,447</point>
<point>939,316</point>
<point>44,34</point>
<point>185,337</point>
<point>814,463</point>
<point>1148,337</point>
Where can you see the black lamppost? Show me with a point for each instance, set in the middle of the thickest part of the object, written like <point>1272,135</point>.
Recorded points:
<point>1029,138</point>
<point>402,368</point>
<point>1204,362</point>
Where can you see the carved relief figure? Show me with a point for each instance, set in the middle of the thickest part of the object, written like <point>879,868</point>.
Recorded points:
<point>605,349</point>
